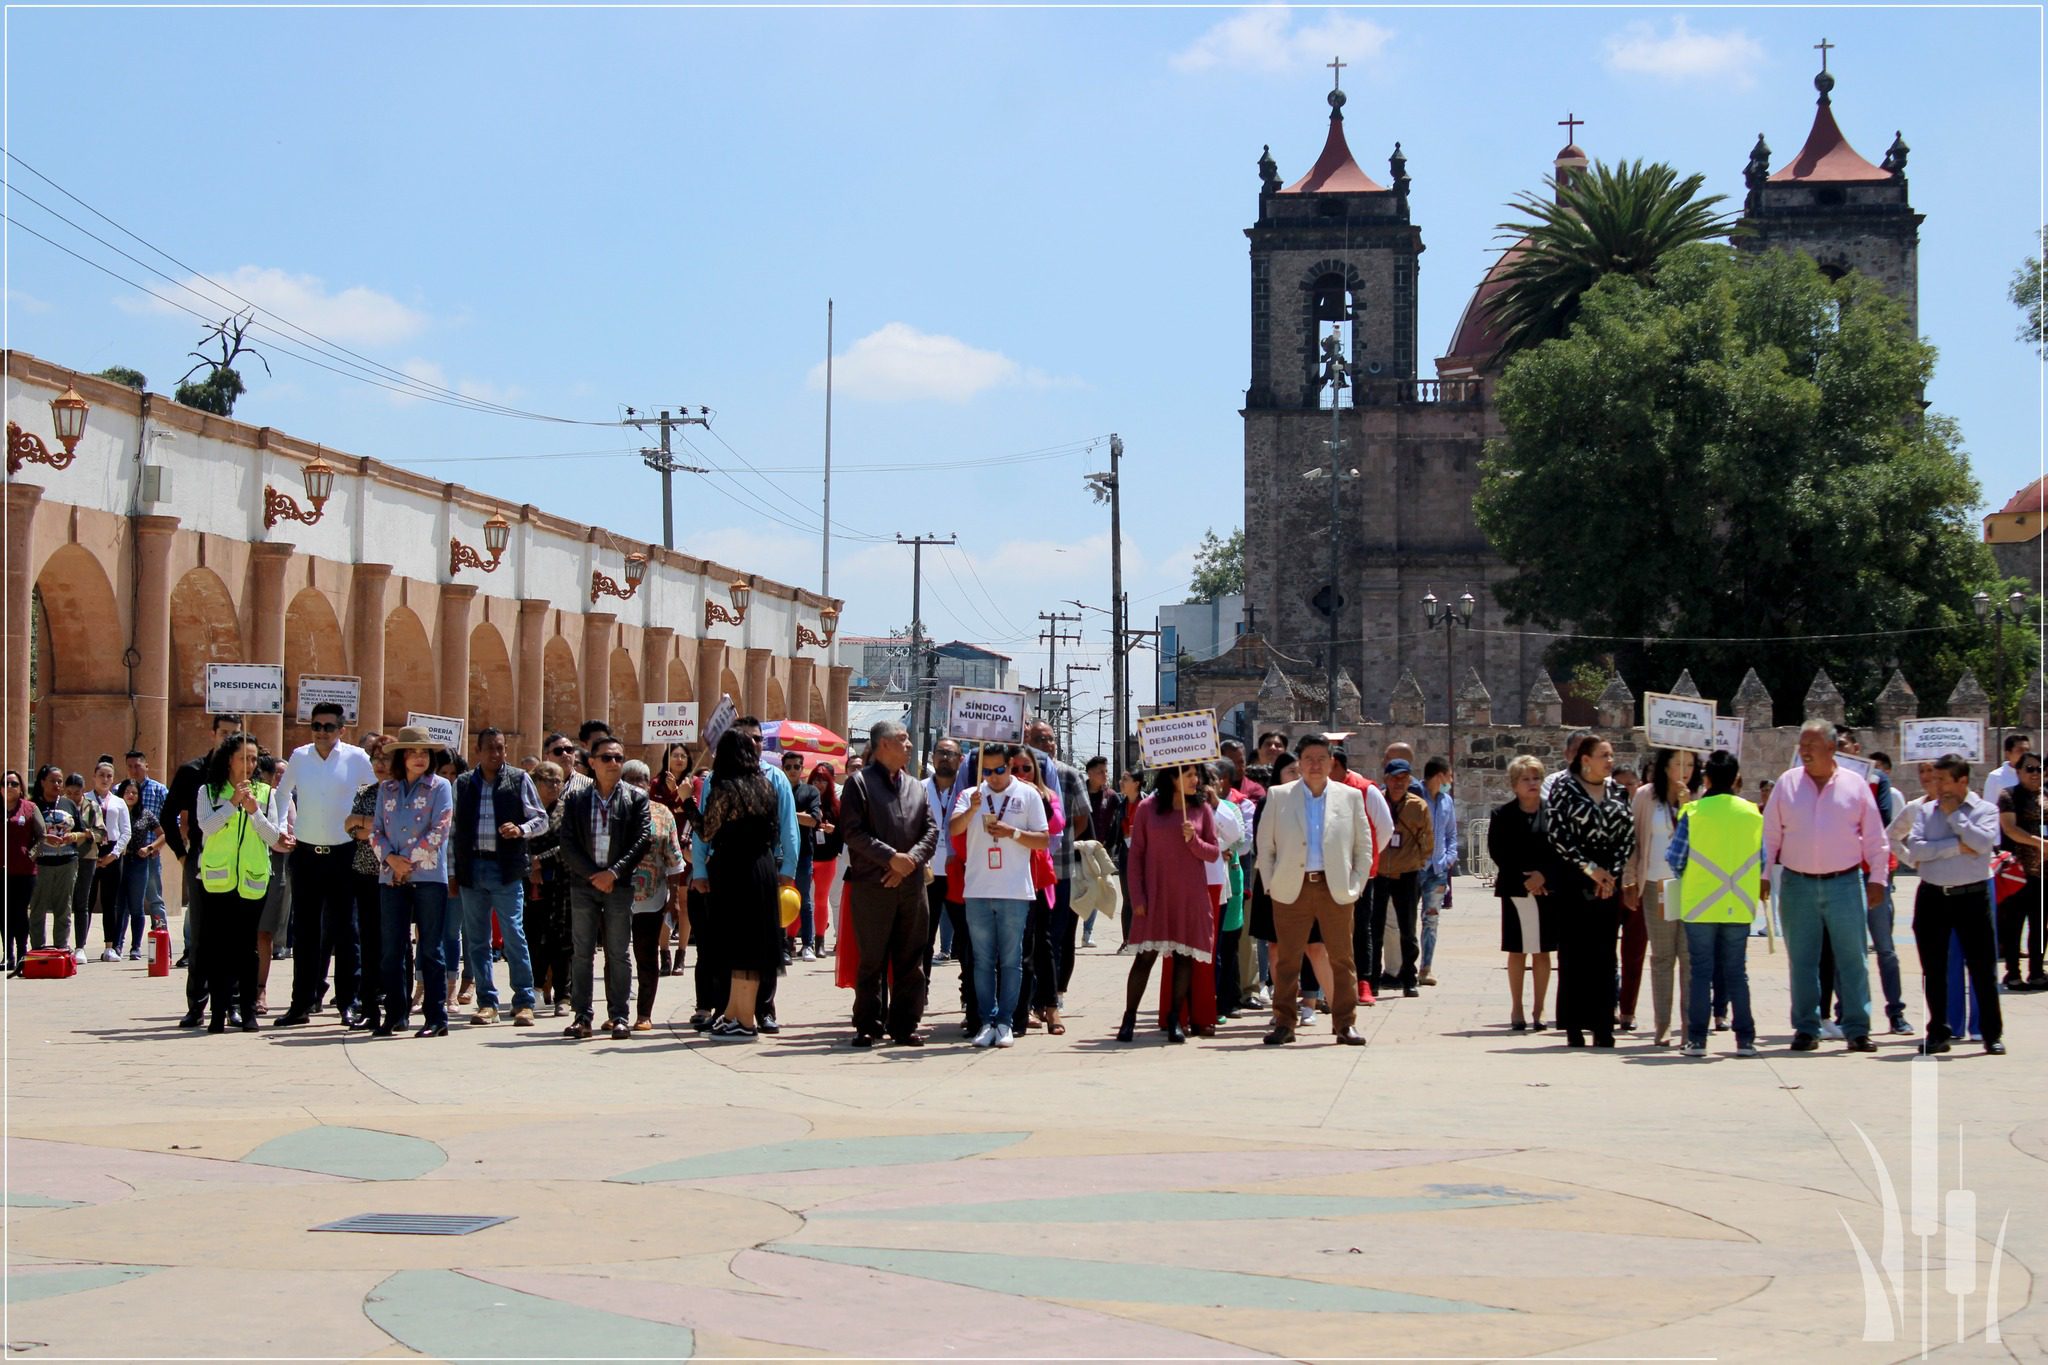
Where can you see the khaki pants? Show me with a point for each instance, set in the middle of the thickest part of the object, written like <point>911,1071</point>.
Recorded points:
<point>1668,955</point>
<point>1292,921</point>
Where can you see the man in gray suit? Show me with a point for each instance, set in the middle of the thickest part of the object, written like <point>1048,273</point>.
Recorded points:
<point>605,829</point>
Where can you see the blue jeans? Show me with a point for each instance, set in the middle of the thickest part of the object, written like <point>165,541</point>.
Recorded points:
<point>1804,905</point>
<point>1880,921</point>
<point>139,878</point>
<point>1718,955</point>
<point>488,891</point>
<point>806,917</point>
<point>995,930</point>
<point>399,908</point>
<point>1433,892</point>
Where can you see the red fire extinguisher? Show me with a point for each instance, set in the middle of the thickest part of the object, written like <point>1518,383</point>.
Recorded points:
<point>160,951</point>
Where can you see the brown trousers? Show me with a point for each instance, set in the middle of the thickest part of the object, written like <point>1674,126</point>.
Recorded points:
<point>1292,921</point>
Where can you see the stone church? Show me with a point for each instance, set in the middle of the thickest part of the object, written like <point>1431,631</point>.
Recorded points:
<point>1338,251</point>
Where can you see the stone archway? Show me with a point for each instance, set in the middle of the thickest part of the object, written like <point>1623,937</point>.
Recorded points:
<point>490,688</point>
<point>729,686</point>
<point>818,715</point>
<point>561,688</point>
<point>204,630</point>
<point>679,682</point>
<point>80,686</point>
<point>409,668</point>
<point>623,705</point>
<point>313,644</point>
<point>777,703</point>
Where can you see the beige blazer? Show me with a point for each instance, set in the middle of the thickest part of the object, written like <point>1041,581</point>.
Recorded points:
<point>1283,841</point>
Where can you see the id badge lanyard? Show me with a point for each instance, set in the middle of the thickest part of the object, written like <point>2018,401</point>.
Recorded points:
<point>995,850</point>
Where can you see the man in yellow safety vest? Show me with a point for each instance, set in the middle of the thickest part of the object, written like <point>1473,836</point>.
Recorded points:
<point>1717,854</point>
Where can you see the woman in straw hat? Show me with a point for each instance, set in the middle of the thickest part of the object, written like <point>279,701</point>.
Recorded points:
<point>409,835</point>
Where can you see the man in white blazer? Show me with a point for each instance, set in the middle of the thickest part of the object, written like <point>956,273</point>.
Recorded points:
<point>1316,850</point>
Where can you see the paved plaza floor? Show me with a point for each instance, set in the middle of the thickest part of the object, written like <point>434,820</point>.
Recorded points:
<point>1453,1190</point>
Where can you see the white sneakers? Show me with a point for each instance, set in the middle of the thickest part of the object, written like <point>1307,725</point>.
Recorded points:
<point>1307,1012</point>
<point>1004,1038</point>
<point>1830,1029</point>
<point>987,1036</point>
<point>809,954</point>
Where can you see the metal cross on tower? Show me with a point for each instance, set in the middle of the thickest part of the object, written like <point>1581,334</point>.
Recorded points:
<point>1337,65</point>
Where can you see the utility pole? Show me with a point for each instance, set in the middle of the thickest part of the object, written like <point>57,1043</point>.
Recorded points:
<point>825,571</point>
<point>1072,669</point>
<point>1109,488</point>
<point>920,704</point>
<point>662,462</point>
<point>1051,637</point>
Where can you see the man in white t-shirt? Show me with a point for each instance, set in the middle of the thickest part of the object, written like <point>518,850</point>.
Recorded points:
<point>2007,774</point>
<point>1004,820</point>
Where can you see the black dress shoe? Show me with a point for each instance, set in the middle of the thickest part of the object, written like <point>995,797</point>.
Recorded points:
<point>1932,1046</point>
<point>351,1018</point>
<point>1351,1037</point>
<point>621,1030</point>
<point>431,1031</point>
<point>250,1024</point>
<point>1410,992</point>
<point>1995,1048</point>
<point>1861,1043</point>
<point>1805,1042</point>
<point>291,1018</point>
<point>766,1024</point>
<point>1175,1033</point>
<point>1603,1040</point>
<point>383,1031</point>
<point>863,1040</point>
<point>1278,1037</point>
<point>1126,1030</point>
<point>193,1018</point>
<point>180,964</point>
<point>909,1040</point>
<point>1575,1038</point>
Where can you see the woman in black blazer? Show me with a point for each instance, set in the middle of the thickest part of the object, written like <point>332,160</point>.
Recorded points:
<point>1528,874</point>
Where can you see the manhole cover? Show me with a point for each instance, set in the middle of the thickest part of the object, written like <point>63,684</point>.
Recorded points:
<point>417,1224</point>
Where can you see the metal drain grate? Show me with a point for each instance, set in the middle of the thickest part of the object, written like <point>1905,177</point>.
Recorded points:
<point>417,1224</point>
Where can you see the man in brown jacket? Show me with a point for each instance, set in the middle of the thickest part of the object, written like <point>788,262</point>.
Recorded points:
<point>1399,879</point>
<point>890,834</point>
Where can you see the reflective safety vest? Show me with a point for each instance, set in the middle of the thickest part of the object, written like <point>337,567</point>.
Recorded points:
<point>1723,878</point>
<point>235,858</point>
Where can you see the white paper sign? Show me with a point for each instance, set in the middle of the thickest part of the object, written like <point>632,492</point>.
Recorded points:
<point>1922,741</point>
<point>244,689</point>
<point>1673,722</point>
<point>1178,737</point>
<point>1728,734</point>
<point>721,720</point>
<point>977,713</point>
<point>315,688</point>
<point>1861,767</point>
<point>445,731</point>
<point>669,722</point>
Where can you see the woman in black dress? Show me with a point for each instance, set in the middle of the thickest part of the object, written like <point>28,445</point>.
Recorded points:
<point>745,914</point>
<point>1593,832</point>
<point>1527,877</point>
<point>547,905</point>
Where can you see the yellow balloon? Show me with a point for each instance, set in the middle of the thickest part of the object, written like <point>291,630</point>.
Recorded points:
<point>792,906</point>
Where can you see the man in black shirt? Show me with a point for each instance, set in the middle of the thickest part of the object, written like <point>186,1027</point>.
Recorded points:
<point>181,831</point>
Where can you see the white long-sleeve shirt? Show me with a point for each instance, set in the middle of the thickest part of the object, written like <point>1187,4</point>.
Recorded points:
<point>119,827</point>
<point>315,794</point>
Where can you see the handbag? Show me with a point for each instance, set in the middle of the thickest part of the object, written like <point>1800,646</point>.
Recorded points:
<point>2007,876</point>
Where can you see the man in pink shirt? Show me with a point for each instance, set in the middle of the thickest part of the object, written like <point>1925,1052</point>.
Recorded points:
<point>1824,841</point>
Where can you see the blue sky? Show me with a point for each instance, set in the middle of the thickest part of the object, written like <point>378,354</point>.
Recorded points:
<point>1031,221</point>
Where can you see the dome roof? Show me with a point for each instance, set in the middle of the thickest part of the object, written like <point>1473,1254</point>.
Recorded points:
<point>1827,158</point>
<point>1336,170</point>
<point>1572,152</point>
<point>1475,344</point>
<point>2028,499</point>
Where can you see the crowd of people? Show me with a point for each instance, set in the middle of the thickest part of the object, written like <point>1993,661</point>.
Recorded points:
<point>1283,882</point>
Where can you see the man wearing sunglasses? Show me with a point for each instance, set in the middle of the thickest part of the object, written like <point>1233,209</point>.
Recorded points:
<point>604,831</point>
<point>314,796</point>
<point>2019,819</point>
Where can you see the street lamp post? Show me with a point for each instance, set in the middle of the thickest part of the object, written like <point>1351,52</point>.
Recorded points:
<point>2014,609</point>
<point>1449,615</point>
<point>67,418</point>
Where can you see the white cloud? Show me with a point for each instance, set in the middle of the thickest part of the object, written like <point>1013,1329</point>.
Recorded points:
<point>1271,42</point>
<point>25,301</point>
<point>355,316</point>
<point>897,363</point>
<point>430,372</point>
<point>1682,54</point>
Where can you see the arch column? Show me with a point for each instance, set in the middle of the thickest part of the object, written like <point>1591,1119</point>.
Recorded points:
<point>19,606</point>
<point>152,607</point>
<point>801,671</point>
<point>710,671</point>
<point>838,680</point>
<point>532,644</point>
<point>655,647</point>
<point>366,604</point>
<point>453,648</point>
<point>754,682</point>
<point>597,665</point>
<point>267,562</point>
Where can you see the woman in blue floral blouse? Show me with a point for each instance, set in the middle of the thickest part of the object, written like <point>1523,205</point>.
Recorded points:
<point>409,835</point>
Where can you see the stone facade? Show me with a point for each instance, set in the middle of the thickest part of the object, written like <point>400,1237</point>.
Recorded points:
<point>1336,247</point>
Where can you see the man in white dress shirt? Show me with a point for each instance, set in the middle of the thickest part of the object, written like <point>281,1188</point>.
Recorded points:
<point>313,800</point>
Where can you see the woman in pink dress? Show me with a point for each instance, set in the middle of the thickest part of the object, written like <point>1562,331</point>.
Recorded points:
<point>1173,839</point>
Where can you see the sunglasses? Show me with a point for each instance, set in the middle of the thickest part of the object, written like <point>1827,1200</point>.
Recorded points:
<point>325,727</point>
<point>607,758</point>
<point>14,782</point>
<point>995,767</point>
<point>563,749</point>
<point>2031,768</point>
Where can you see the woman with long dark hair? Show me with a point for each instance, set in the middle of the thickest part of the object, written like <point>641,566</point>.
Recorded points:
<point>238,830</point>
<point>1173,839</point>
<point>548,935</point>
<point>1655,808</point>
<point>57,855</point>
<point>826,846</point>
<point>1593,833</point>
<point>671,788</point>
<point>24,836</point>
<point>744,914</point>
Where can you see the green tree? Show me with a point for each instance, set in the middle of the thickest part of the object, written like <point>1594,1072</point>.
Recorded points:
<point>217,392</point>
<point>1219,567</point>
<point>1611,220</point>
<point>121,374</point>
<point>2027,296</point>
<point>1730,456</point>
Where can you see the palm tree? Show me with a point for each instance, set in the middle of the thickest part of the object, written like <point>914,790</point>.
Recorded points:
<point>1609,220</point>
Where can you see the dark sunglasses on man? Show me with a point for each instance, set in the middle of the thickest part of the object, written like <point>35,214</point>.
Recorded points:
<point>325,727</point>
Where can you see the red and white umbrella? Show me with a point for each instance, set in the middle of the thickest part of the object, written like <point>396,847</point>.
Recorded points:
<point>797,736</point>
